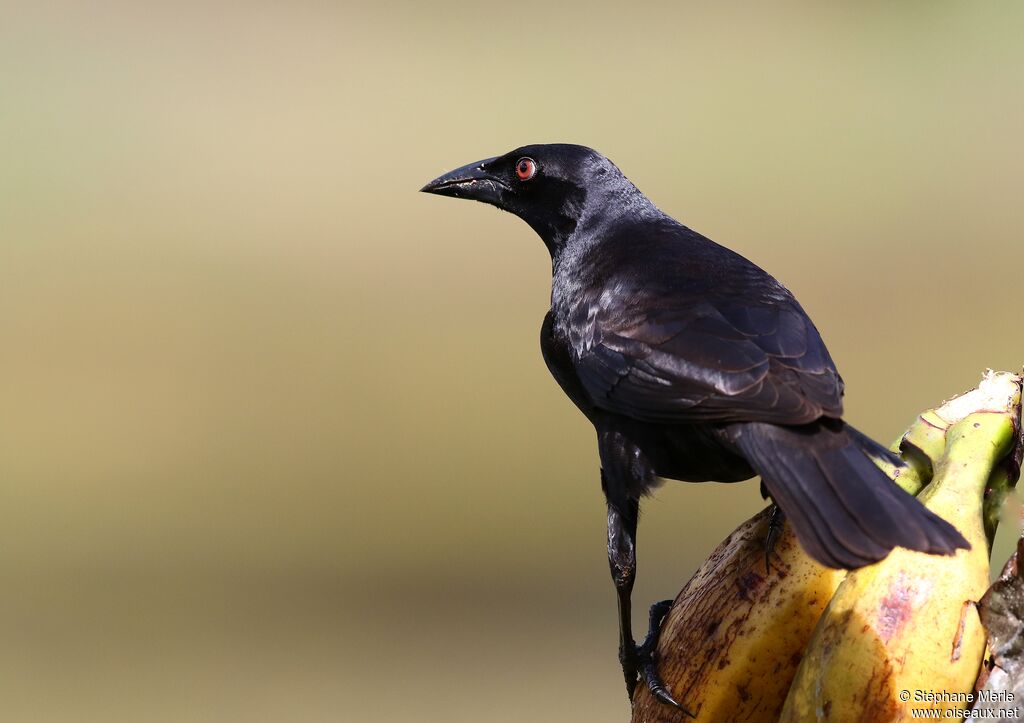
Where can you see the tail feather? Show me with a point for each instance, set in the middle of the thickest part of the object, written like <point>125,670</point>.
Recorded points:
<point>844,510</point>
<point>874,449</point>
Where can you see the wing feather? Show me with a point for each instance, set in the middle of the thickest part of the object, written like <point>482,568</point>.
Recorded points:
<point>660,358</point>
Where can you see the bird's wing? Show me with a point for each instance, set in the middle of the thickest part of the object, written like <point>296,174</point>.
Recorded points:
<point>677,358</point>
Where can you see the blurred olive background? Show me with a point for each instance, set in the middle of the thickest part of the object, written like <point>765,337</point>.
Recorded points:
<point>277,442</point>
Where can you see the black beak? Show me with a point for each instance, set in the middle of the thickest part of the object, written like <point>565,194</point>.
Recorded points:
<point>472,181</point>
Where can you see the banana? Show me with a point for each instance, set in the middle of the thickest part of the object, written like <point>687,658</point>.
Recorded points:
<point>904,633</point>
<point>730,645</point>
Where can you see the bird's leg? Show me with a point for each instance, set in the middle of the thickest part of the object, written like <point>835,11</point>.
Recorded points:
<point>775,524</point>
<point>622,563</point>
<point>638,662</point>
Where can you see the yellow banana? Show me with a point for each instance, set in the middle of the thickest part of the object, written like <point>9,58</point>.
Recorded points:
<point>730,646</point>
<point>732,641</point>
<point>904,633</point>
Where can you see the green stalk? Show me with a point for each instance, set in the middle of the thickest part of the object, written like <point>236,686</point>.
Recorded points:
<point>922,445</point>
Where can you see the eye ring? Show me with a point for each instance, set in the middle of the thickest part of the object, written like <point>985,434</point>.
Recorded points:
<point>526,168</point>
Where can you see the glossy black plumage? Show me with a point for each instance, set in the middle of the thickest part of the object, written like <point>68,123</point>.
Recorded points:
<point>693,364</point>
<point>674,328</point>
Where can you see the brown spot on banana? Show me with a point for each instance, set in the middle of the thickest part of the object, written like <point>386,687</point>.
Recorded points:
<point>958,639</point>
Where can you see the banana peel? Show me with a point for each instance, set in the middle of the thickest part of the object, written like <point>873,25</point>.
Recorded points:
<point>731,643</point>
<point>905,633</point>
<point>1001,685</point>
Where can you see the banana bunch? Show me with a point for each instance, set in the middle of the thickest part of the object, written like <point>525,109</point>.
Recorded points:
<point>796,641</point>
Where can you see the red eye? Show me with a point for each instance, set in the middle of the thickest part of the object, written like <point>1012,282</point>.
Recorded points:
<point>526,168</point>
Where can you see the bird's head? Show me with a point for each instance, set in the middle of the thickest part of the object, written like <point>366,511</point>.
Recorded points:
<point>551,187</point>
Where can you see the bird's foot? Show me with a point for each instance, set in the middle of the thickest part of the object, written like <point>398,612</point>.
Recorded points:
<point>639,661</point>
<point>775,524</point>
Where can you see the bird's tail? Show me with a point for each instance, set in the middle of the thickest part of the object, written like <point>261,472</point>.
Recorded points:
<point>844,510</point>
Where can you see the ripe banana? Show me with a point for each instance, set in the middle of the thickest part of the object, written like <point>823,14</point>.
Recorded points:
<point>904,633</point>
<point>730,646</point>
<point>733,639</point>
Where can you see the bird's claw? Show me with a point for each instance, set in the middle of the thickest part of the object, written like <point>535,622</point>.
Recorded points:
<point>644,665</point>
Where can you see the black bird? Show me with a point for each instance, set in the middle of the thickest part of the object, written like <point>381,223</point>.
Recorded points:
<point>693,364</point>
